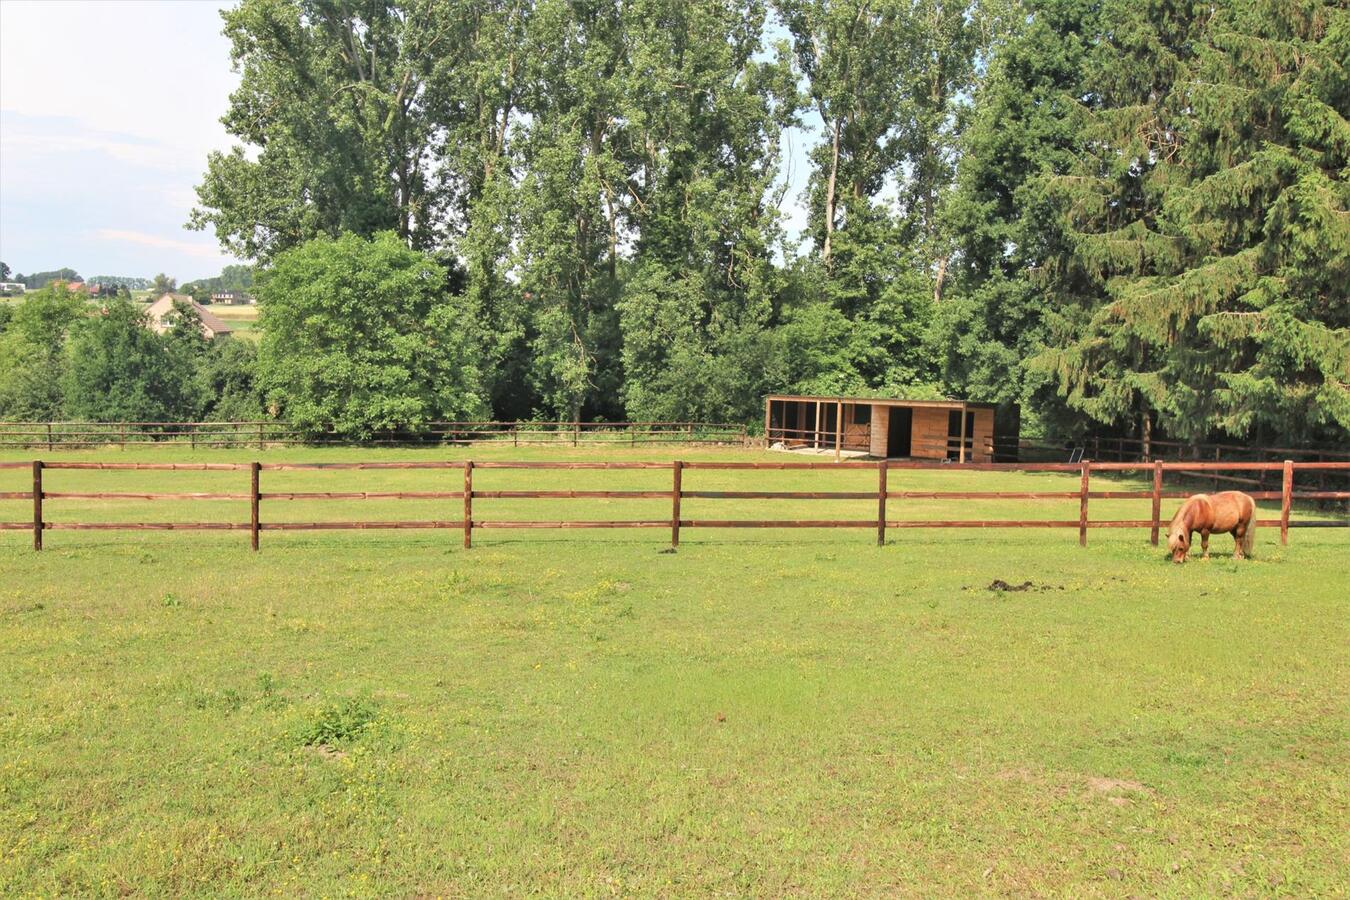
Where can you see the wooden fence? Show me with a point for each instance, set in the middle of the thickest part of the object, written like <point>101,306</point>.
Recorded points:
<point>262,434</point>
<point>884,496</point>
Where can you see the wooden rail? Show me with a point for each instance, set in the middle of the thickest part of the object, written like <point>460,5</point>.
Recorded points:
<point>264,433</point>
<point>884,494</point>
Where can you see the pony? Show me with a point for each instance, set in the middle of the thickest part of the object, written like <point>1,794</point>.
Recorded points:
<point>1230,511</point>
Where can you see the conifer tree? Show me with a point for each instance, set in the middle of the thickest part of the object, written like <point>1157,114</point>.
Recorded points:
<point>1213,214</point>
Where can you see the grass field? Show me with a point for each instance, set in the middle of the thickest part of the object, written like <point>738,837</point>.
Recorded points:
<point>761,713</point>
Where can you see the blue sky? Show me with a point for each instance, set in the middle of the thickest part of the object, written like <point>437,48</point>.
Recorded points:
<point>107,112</point>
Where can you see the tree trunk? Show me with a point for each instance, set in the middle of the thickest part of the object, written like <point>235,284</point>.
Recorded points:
<point>830,194</point>
<point>1146,435</point>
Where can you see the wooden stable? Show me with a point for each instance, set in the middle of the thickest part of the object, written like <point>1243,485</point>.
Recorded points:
<point>956,430</point>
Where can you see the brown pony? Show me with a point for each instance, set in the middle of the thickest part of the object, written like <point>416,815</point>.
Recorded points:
<point>1230,511</point>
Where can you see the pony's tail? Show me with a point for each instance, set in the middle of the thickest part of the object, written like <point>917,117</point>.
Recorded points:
<point>1249,536</point>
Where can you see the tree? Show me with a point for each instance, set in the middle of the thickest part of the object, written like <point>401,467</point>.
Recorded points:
<point>117,369</point>
<point>163,284</point>
<point>848,53</point>
<point>4,272</point>
<point>41,279</point>
<point>1212,212</point>
<point>887,80</point>
<point>32,354</point>
<point>363,335</point>
<point>1027,126</point>
<point>332,102</point>
<point>702,114</point>
<point>226,374</point>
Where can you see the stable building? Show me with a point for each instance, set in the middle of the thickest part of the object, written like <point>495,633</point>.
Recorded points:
<point>956,430</point>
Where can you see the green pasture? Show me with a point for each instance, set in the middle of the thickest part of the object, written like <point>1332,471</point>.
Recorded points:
<point>764,712</point>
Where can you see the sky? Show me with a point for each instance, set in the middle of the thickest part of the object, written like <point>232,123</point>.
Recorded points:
<point>108,109</point>
<point>107,113</point>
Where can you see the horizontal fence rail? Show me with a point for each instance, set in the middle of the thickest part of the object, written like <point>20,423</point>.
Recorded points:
<point>883,495</point>
<point>262,434</point>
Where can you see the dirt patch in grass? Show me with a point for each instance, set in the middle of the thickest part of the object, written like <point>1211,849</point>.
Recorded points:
<point>1117,791</point>
<point>1001,586</point>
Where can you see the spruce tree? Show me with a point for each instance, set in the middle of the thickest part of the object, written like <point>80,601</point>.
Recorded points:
<point>1213,215</point>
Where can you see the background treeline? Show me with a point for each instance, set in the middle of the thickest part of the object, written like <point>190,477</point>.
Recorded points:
<point>1127,215</point>
<point>65,358</point>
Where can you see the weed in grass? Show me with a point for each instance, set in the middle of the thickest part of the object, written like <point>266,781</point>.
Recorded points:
<point>342,722</point>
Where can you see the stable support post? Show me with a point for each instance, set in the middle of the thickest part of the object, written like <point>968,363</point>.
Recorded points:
<point>37,504</point>
<point>961,455</point>
<point>1286,500</point>
<point>1157,501</point>
<point>468,503</point>
<point>676,487</point>
<point>254,498</point>
<point>881,503</point>
<point>1083,504</point>
<point>838,428</point>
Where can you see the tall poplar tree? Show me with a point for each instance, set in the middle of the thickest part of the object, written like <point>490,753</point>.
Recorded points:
<point>704,113</point>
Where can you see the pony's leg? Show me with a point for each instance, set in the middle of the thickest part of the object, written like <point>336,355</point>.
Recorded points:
<point>1204,543</point>
<point>1238,533</point>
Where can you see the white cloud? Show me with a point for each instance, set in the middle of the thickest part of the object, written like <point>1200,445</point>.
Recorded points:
<point>200,249</point>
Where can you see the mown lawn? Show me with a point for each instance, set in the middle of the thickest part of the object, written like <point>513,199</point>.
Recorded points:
<point>763,712</point>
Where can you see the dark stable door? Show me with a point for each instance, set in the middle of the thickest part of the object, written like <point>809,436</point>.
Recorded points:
<point>954,434</point>
<point>829,420</point>
<point>898,431</point>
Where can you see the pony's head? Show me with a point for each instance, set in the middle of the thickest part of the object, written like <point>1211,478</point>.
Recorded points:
<point>1178,540</point>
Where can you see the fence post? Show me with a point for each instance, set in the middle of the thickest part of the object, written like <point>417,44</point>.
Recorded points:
<point>468,503</point>
<point>1286,500</point>
<point>37,504</point>
<point>260,435</point>
<point>49,437</point>
<point>1157,501</point>
<point>1083,504</point>
<point>254,497</point>
<point>881,503</point>
<point>192,434</point>
<point>677,473</point>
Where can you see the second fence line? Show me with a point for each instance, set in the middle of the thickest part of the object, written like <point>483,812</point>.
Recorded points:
<point>468,524</point>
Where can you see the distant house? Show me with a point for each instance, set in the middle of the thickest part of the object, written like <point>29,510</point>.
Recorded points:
<point>231,298</point>
<point>12,288</point>
<point>161,312</point>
